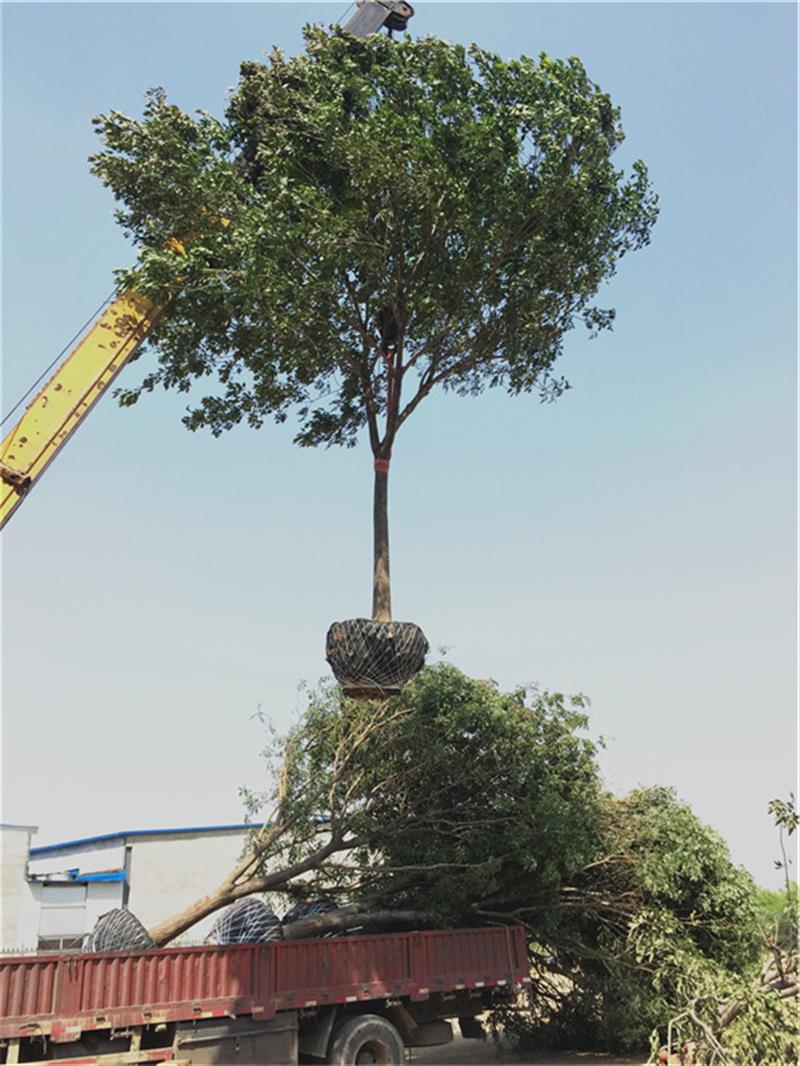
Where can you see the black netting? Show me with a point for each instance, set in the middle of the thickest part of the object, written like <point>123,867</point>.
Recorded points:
<point>372,660</point>
<point>311,909</point>
<point>314,908</point>
<point>119,930</point>
<point>246,921</point>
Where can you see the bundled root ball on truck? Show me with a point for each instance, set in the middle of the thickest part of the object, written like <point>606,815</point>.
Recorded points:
<point>246,921</point>
<point>119,930</point>
<point>314,908</point>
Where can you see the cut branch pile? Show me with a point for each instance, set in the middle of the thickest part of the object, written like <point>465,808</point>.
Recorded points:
<point>701,1031</point>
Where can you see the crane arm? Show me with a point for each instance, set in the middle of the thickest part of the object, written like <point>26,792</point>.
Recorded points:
<point>78,383</point>
<point>67,398</point>
<point>372,15</point>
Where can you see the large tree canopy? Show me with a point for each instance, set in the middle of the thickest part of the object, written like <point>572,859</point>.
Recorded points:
<point>464,800</point>
<point>380,194</point>
<point>451,795</point>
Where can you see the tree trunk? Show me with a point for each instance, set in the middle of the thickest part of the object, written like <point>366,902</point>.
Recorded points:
<point>167,930</point>
<point>351,918</point>
<point>381,587</point>
<point>231,889</point>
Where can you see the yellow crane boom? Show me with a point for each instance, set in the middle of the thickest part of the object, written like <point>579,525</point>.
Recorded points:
<point>74,388</point>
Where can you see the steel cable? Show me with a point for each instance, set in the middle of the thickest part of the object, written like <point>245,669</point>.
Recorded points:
<point>345,12</point>
<point>58,358</point>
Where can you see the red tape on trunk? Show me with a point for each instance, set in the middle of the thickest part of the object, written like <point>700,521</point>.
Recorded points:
<point>381,466</point>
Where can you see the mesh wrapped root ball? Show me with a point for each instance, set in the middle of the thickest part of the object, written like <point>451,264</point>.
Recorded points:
<point>373,660</point>
<point>312,909</point>
<point>309,909</point>
<point>119,930</point>
<point>247,921</point>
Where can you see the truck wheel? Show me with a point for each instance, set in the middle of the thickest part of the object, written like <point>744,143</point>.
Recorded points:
<point>365,1038</point>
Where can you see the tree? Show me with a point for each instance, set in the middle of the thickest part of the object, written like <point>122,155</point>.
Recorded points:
<point>657,915</point>
<point>786,817</point>
<point>437,807</point>
<point>473,797</point>
<point>400,215</point>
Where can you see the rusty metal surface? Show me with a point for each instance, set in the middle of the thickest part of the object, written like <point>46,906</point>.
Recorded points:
<point>26,986</point>
<point>64,995</point>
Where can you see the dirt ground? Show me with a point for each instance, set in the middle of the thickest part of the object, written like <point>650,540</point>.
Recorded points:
<point>486,1053</point>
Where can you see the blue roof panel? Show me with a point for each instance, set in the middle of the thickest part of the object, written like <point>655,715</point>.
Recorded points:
<point>82,842</point>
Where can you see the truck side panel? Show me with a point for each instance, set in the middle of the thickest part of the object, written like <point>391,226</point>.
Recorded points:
<point>241,1041</point>
<point>64,996</point>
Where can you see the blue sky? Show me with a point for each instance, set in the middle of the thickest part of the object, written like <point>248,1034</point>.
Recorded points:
<point>634,541</point>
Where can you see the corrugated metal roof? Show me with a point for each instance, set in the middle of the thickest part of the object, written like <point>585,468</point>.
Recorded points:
<point>82,842</point>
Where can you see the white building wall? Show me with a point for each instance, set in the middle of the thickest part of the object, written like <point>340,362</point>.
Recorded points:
<point>14,844</point>
<point>28,924</point>
<point>166,873</point>
<point>170,872</point>
<point>102,896</point>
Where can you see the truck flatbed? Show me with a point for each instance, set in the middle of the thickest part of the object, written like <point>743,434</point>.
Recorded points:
<point>62,998</point>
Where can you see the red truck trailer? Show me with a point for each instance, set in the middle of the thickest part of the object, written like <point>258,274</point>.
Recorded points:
<point>354,999</point>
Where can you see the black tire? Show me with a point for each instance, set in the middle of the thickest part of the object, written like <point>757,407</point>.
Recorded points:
<point>365,1038</point>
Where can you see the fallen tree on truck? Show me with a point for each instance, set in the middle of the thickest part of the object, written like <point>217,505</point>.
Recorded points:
<point>457,804</point>
<point>428,803</point>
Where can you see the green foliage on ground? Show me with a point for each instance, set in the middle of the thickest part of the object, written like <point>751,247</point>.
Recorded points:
<point>461,209</point>
<point>659,902</point>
